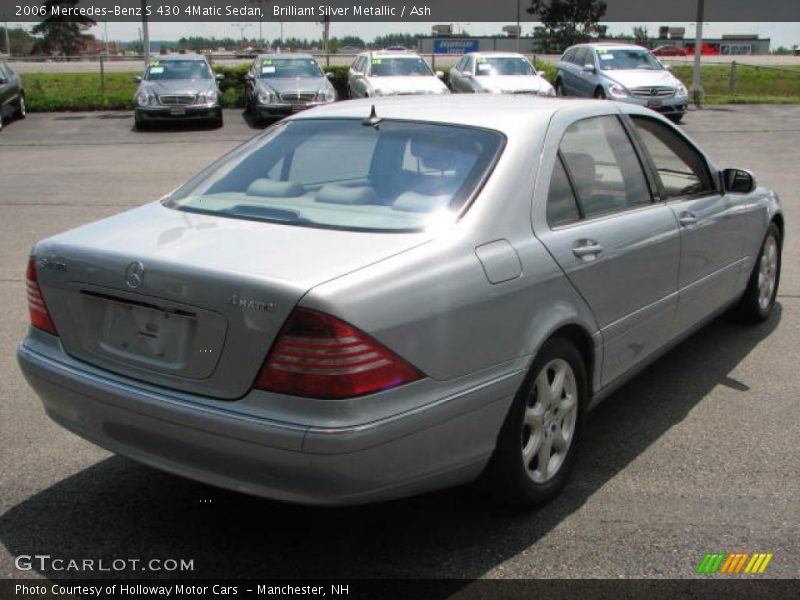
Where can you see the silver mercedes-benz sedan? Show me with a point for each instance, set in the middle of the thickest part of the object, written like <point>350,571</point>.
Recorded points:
<point>377,298</point>
<point>177,87</point>
<point>498,73</point>
<point>279,84</point>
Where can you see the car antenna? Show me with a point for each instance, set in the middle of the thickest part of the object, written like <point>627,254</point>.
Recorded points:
<point>373,119</point>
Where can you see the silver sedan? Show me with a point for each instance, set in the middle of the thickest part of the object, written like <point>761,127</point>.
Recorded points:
<point>498,73</point>
<point>374,299</point>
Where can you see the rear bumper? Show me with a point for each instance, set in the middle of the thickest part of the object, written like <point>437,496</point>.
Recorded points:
<point>445,443</point>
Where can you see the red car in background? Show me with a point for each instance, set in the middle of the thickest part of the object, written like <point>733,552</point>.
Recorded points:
<point>669,50</point>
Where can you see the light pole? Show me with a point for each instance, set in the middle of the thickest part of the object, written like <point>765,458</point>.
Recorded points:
<point>8,41</point>
<point>519,29</point>
<point>242,27</point>
<point>145,35</point>
<point>697,86</point>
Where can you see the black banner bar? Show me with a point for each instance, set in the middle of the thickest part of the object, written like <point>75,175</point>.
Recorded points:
<point>439,11</point>
<point>730,588</point>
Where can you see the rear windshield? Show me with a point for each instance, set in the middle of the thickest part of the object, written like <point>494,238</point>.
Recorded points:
<point>342,174</point>
<point>409,66</point>
<point>177,69</point>
<point>275,68</point>
<point>506,65</point>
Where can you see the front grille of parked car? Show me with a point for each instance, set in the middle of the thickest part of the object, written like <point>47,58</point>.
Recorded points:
<point>177,100</point>
<point>653,92</point>
<point>298,97</point>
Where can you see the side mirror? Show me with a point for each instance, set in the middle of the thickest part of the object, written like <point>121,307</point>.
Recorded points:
<point>738,181</point>
<point>3,81</point>
<point>219,76</point>
<point>137,79</point>
<point>466,73</point>
<point>249,77</point>
<point>541,74</point>
<point>666,67</point>
<point>329,75</point>
<point>589,69</point>
<point>440,74</point>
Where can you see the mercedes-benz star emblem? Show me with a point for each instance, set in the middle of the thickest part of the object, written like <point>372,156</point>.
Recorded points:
<point>134,275</point>
<point>654,92</point>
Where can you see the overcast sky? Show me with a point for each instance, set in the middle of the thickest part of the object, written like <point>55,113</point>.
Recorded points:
<point>782,34</point>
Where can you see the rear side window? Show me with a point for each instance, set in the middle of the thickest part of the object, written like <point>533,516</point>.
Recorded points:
<point>341,174</point>
<point>562,206</point>
<point>603,167</point>
<point>681,169</point>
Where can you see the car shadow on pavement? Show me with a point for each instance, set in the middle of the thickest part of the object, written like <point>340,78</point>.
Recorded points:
<point>120,509</point>
<point>174,126</point>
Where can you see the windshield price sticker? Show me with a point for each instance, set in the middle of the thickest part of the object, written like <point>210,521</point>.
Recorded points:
<point>266,61</point>
<point>156,70</point>
<point>269,69</point>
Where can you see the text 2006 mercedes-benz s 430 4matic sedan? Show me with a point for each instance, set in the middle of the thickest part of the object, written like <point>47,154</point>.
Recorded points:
<point>382,297</point>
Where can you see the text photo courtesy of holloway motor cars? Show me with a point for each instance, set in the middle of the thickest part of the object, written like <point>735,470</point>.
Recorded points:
<point>385,299</point>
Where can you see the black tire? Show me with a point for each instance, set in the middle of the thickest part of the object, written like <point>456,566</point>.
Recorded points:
<point>753,307</point>
<point>22,109</point>
<point>676,118</point>
<point>600,94</point>
<point>218,121</point>
<point>138,123</point>
<point>508,479</point>
<point>560,88</point>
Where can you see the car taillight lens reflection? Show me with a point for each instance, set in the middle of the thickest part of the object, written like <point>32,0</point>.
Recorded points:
<point>40,317</point>
<point>319,356</point>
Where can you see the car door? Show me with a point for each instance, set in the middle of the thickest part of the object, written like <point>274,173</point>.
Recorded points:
<point>356,77</point>
<point>572,71</point>
<point>587,80</point>
<point>713,226</point>
<point>455,75</point>
<point>619,248</point>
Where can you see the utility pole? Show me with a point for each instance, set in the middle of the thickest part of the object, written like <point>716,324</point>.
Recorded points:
<point>8,42</point>
<point>519,28</point>
<point>697,86</point>
<point>145,35</point>
<point>326,32</point>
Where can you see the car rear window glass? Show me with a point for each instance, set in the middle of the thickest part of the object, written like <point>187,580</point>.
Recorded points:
<point>562,207</point>
<point>603,166</point>
<point>342,174</point>
<point>681,170</point>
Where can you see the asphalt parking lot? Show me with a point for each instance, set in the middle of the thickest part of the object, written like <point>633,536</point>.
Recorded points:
<point>697,454</point>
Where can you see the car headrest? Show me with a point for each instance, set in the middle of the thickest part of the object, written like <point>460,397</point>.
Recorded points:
<point>419,203</point>
<point>275,189</point>
<point>340,194</point>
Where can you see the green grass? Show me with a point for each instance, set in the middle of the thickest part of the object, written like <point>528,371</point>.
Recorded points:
<point>753,85</point>
<point>82,91</point>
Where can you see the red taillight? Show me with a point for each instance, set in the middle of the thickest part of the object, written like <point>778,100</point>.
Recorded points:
<point>40,317</point>
<point>319,356</point>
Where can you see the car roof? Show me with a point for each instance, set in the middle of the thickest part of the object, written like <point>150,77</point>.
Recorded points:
<point>609,45</point>
<point>497,53</point>
<point>508,114</point>
<point>279,55</point>
<point>166,57</point>
<point>392,54</point>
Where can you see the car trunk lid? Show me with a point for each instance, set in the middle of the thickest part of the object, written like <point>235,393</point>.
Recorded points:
<point>190,301</point>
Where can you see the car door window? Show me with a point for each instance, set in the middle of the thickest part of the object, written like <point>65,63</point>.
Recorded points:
<point>581,57</point>
<point>562,206</point>
<point>680,169</point>
<point>568,55</point>
<point>603,167</point>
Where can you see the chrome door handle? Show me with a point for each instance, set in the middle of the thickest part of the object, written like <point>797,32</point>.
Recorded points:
<point>587,249</point>
<point>687,219</point>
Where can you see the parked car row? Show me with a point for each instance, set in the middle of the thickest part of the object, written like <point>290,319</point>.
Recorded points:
<point>277,85</point>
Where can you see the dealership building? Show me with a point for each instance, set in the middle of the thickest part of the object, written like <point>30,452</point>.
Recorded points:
<point>443,41</point>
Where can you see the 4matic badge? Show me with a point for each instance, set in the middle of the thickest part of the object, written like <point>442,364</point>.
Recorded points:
<point>237,300</point>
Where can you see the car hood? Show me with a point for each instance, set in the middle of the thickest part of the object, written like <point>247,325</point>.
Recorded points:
<point>294,84</point>
<point>639,78</point>
<point>179,86</point>
<point>408,85</point>
<point>514,83</point>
